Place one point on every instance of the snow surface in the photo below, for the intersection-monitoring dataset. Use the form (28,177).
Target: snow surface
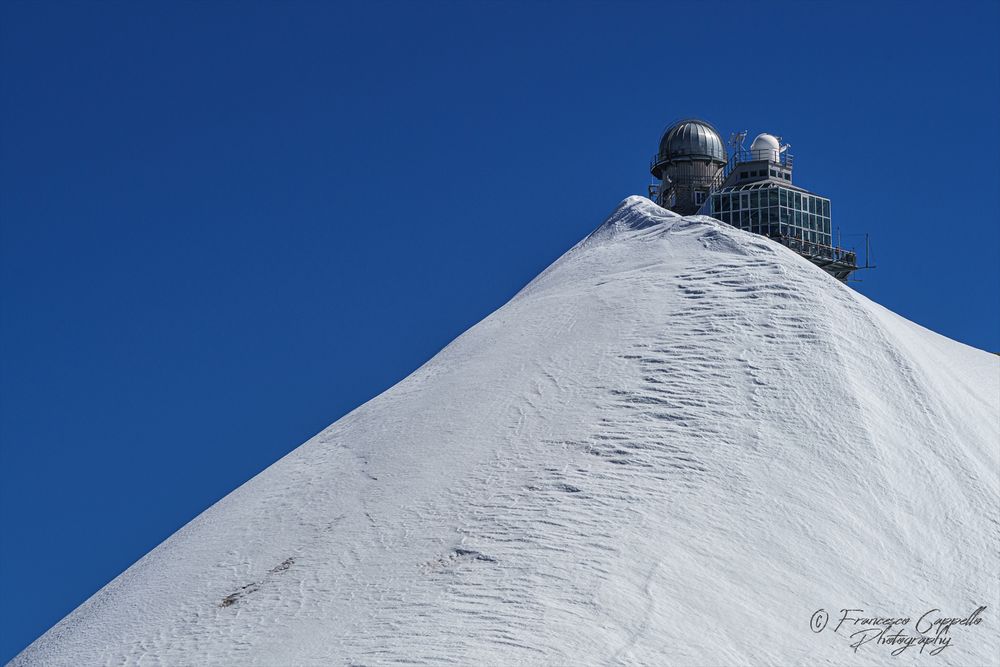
(672,447)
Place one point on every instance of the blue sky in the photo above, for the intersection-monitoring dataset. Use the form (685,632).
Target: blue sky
(225,225)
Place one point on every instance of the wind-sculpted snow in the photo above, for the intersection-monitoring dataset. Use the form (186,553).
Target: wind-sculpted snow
(681,444)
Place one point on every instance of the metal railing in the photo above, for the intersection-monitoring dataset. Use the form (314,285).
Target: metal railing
(783,158)
(662,158)
(819,250)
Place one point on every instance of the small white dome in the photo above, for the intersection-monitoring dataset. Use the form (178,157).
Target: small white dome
(765,147)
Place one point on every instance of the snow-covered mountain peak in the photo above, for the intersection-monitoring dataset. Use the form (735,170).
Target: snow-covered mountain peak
(638,218)
(674,446)
(635,213)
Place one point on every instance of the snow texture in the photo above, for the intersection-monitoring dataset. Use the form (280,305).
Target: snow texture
(672,447)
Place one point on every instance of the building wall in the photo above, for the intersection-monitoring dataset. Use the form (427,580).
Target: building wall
(687,178)
(776,211)
(759,170)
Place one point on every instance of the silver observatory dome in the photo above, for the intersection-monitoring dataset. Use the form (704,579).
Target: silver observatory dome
(689,139)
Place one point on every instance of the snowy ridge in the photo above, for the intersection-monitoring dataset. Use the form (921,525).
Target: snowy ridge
(672,447)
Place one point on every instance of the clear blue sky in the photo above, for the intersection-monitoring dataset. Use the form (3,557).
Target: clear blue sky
(224,225)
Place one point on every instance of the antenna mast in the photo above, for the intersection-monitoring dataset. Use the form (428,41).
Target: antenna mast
(736,140)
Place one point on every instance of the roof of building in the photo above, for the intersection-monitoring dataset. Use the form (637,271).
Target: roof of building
(692,138)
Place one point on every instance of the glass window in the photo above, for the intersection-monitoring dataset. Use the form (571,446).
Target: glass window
(783,196)
(774,214)
(743,174)
(772,197)
(798,201)
(744,200)
(784,214)
(826,208)
(753,200)
(724,200)
(798,218)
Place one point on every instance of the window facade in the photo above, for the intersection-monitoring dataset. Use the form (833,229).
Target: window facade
(775,211)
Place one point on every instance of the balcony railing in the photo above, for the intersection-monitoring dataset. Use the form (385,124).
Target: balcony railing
(662,158)
(783,158)
(819,250)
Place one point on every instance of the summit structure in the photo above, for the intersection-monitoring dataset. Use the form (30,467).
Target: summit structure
(750,189)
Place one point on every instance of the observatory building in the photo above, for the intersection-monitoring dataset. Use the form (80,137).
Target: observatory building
(751,189)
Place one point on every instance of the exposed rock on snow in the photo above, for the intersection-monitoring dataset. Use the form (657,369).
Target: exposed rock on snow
(674,446)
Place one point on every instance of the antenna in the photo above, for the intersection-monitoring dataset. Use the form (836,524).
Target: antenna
(736,140)
(868,265)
